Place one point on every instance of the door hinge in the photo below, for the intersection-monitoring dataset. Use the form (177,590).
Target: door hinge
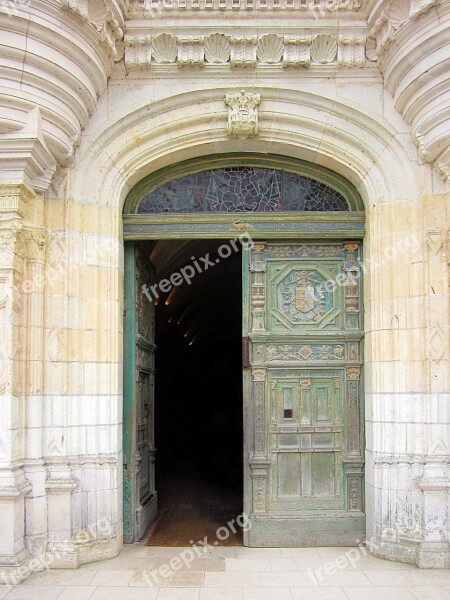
(245,353)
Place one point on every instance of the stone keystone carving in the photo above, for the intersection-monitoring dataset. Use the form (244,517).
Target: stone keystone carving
(243,113)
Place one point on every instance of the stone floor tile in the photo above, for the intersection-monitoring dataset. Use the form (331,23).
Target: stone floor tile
(166,552)
(318,593)
(34,592)
(258,552)
(222,551)
(3,590)
(221,594)
(124,593)
(378,593)
(121,563)
(236,579)
(333,552)
(248,564)
(198,564)
(372,563)
(430,592)
(321,565)
(61,577)
(148,578)
(135,550)
(343,579)
(272,594)
(428,576)
(286,579)
(112,578)
(283,564)
(387,578)
(299,552)
(76,592)
(178,594)
(187,579)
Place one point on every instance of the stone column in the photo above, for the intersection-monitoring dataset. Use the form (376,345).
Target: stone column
(407,381)
(13,484)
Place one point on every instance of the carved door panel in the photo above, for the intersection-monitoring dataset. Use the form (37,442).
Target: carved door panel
(140,498)
(303,409)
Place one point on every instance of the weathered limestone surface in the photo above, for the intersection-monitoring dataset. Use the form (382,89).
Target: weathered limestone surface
(84,118)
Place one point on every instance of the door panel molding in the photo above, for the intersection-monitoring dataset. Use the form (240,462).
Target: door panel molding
(305,464)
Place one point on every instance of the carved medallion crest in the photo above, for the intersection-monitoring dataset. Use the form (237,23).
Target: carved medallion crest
(242,113)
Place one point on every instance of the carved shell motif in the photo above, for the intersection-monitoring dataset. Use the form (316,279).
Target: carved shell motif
(164,48)
(217,49)
(398,12)
(97,12)
(270,49)
(323,49)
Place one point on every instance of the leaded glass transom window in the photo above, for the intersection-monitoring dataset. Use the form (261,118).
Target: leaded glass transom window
(242,189)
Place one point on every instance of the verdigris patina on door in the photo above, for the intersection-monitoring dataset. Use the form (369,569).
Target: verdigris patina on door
(303,413)
(139,497)
(302,327)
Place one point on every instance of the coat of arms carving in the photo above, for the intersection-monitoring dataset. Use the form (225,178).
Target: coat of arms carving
(243,113)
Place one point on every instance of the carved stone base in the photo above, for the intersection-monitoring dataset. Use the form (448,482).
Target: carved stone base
(425,555)
(13,567)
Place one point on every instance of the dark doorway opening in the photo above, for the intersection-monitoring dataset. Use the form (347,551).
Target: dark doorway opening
(198,392)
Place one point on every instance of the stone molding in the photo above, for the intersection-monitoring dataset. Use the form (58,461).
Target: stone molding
(24,155)
(294,121)
(411,41)
(104,16)
(63,60)
(144,50)
(165,8)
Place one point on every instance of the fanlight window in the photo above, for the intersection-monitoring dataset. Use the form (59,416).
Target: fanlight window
(242,189)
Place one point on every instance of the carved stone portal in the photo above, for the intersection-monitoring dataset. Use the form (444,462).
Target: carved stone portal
(243,113)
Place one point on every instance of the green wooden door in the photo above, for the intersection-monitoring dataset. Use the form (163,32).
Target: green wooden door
(302,410)
(140,498)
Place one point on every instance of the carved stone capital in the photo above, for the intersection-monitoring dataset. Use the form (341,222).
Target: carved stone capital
(259,374)
(353,373)
(24,155)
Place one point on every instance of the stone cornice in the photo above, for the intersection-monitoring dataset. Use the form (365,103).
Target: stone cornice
(24,156)
(207,9)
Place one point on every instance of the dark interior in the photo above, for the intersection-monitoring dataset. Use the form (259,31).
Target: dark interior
(198,399)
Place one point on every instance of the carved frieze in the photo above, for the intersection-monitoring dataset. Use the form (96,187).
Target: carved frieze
(305,352)
(217,49)
(191,51)
(243,51)
(351,51)
(297,51)
(238,51)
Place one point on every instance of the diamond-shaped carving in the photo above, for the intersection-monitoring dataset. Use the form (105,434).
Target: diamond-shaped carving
(305,352)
